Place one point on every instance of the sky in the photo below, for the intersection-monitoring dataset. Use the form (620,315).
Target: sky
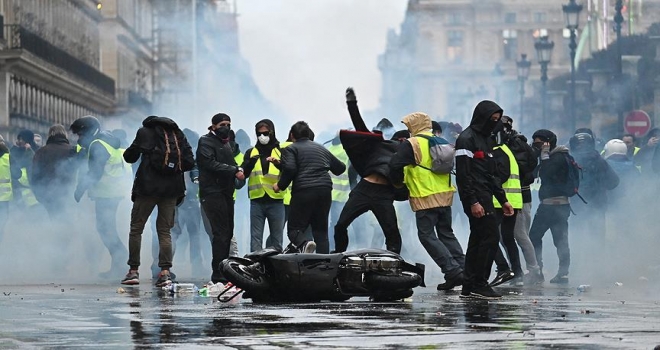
(304,53)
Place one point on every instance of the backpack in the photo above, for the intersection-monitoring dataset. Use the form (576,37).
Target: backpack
(572,185)
(167,156)
(442,155)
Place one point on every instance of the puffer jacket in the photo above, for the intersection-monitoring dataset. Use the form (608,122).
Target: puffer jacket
(475,165)
(307,163)
(149,181)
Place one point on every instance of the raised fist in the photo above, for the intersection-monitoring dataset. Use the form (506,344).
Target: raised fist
(350,95)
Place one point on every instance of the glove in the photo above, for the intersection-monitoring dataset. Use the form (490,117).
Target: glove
(196,181)
(350,95)
(77,195)
(545,151)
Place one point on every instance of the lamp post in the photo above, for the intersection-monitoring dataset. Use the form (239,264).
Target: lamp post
(572,13)
(523,73)
(543,54)
(618,19)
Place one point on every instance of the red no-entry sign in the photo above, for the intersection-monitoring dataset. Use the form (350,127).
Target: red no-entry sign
(637,123)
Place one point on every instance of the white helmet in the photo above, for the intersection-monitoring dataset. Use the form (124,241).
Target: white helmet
(613,147)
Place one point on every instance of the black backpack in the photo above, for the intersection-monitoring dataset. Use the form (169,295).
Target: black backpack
(571,187)
(167,157)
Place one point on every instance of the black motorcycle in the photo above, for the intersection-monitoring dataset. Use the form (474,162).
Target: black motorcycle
(294,276)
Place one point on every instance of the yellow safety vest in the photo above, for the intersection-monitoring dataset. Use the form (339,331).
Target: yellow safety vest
(512,186)
(423,183)
(5,179)
(239,160)
(341,187)
(260,184)
(113,174)
(26,192)
(287,192)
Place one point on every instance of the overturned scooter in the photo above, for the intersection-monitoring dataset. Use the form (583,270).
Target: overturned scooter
(297,275)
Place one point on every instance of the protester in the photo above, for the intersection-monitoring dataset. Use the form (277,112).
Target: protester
(21,155)
(5,185)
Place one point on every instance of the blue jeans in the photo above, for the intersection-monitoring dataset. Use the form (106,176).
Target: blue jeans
(273,211)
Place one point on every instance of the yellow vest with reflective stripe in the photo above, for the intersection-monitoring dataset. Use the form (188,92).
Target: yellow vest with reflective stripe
(113,174)
(239,160)
(259,183)
(423,183)
(341,187)
(5,179)
(26,192)
(287,192)
(512,185)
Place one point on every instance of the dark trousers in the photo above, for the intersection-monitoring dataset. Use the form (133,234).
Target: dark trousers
(436,235)
(555,218)
(310,208)
(106,225)
(219,209)
(380,200)
(481,250)
(188,217)
(142,208)
(507,225)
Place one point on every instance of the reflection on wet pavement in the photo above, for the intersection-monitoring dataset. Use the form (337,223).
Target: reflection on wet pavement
(143,317)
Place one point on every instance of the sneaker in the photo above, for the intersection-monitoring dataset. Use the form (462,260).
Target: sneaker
(485,293)
(308,247)
(465,294)
(164,279)
(502,277)
(560,279)
(533,278)
(449,284)
(131,278)
(517,281)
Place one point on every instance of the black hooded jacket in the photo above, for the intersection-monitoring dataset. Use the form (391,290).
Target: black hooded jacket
(53,169)
(148,180)
(475,166)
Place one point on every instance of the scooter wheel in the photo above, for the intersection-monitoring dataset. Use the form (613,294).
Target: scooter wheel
(248,280)
(405,280)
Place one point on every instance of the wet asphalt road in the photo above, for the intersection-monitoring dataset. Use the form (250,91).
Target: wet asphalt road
(68,316)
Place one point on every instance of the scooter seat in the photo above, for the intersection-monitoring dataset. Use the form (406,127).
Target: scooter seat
(260,254)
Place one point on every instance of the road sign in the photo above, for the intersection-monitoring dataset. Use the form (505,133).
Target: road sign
(637,123)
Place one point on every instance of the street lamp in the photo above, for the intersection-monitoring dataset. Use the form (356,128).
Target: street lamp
(618,19)
(572,13)
(523,73)
(543,54)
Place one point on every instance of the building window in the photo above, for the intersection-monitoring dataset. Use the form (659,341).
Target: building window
(540,17)
(454,46)
(455,18)
(510,17)
(540,33)
(510,41)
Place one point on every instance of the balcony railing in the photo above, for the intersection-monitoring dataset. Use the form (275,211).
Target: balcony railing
(17,37)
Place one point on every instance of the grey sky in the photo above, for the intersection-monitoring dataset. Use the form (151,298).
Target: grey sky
(304,53)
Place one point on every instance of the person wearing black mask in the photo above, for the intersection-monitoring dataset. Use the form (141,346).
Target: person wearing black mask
(218,172)
(261,168)
(477,184)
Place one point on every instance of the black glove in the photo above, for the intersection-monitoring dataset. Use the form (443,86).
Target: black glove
(350,95)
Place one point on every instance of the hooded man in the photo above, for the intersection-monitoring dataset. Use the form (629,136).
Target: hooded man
(431,197)
(370,155)
(554,210)
(154,187)
(477,184)
(104,172)
(218,173)
(261,167)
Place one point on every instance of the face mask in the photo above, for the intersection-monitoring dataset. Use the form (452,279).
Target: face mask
(263,139)
(223,133)
(490,126)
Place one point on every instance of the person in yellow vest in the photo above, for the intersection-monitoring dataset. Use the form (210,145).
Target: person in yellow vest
(261,167)
(54,172)
(21,160)
(629,140)
(431,196)
(5,185)
(105,171)
(341,186)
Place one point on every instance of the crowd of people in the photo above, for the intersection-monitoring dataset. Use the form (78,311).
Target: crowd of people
(320,193)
